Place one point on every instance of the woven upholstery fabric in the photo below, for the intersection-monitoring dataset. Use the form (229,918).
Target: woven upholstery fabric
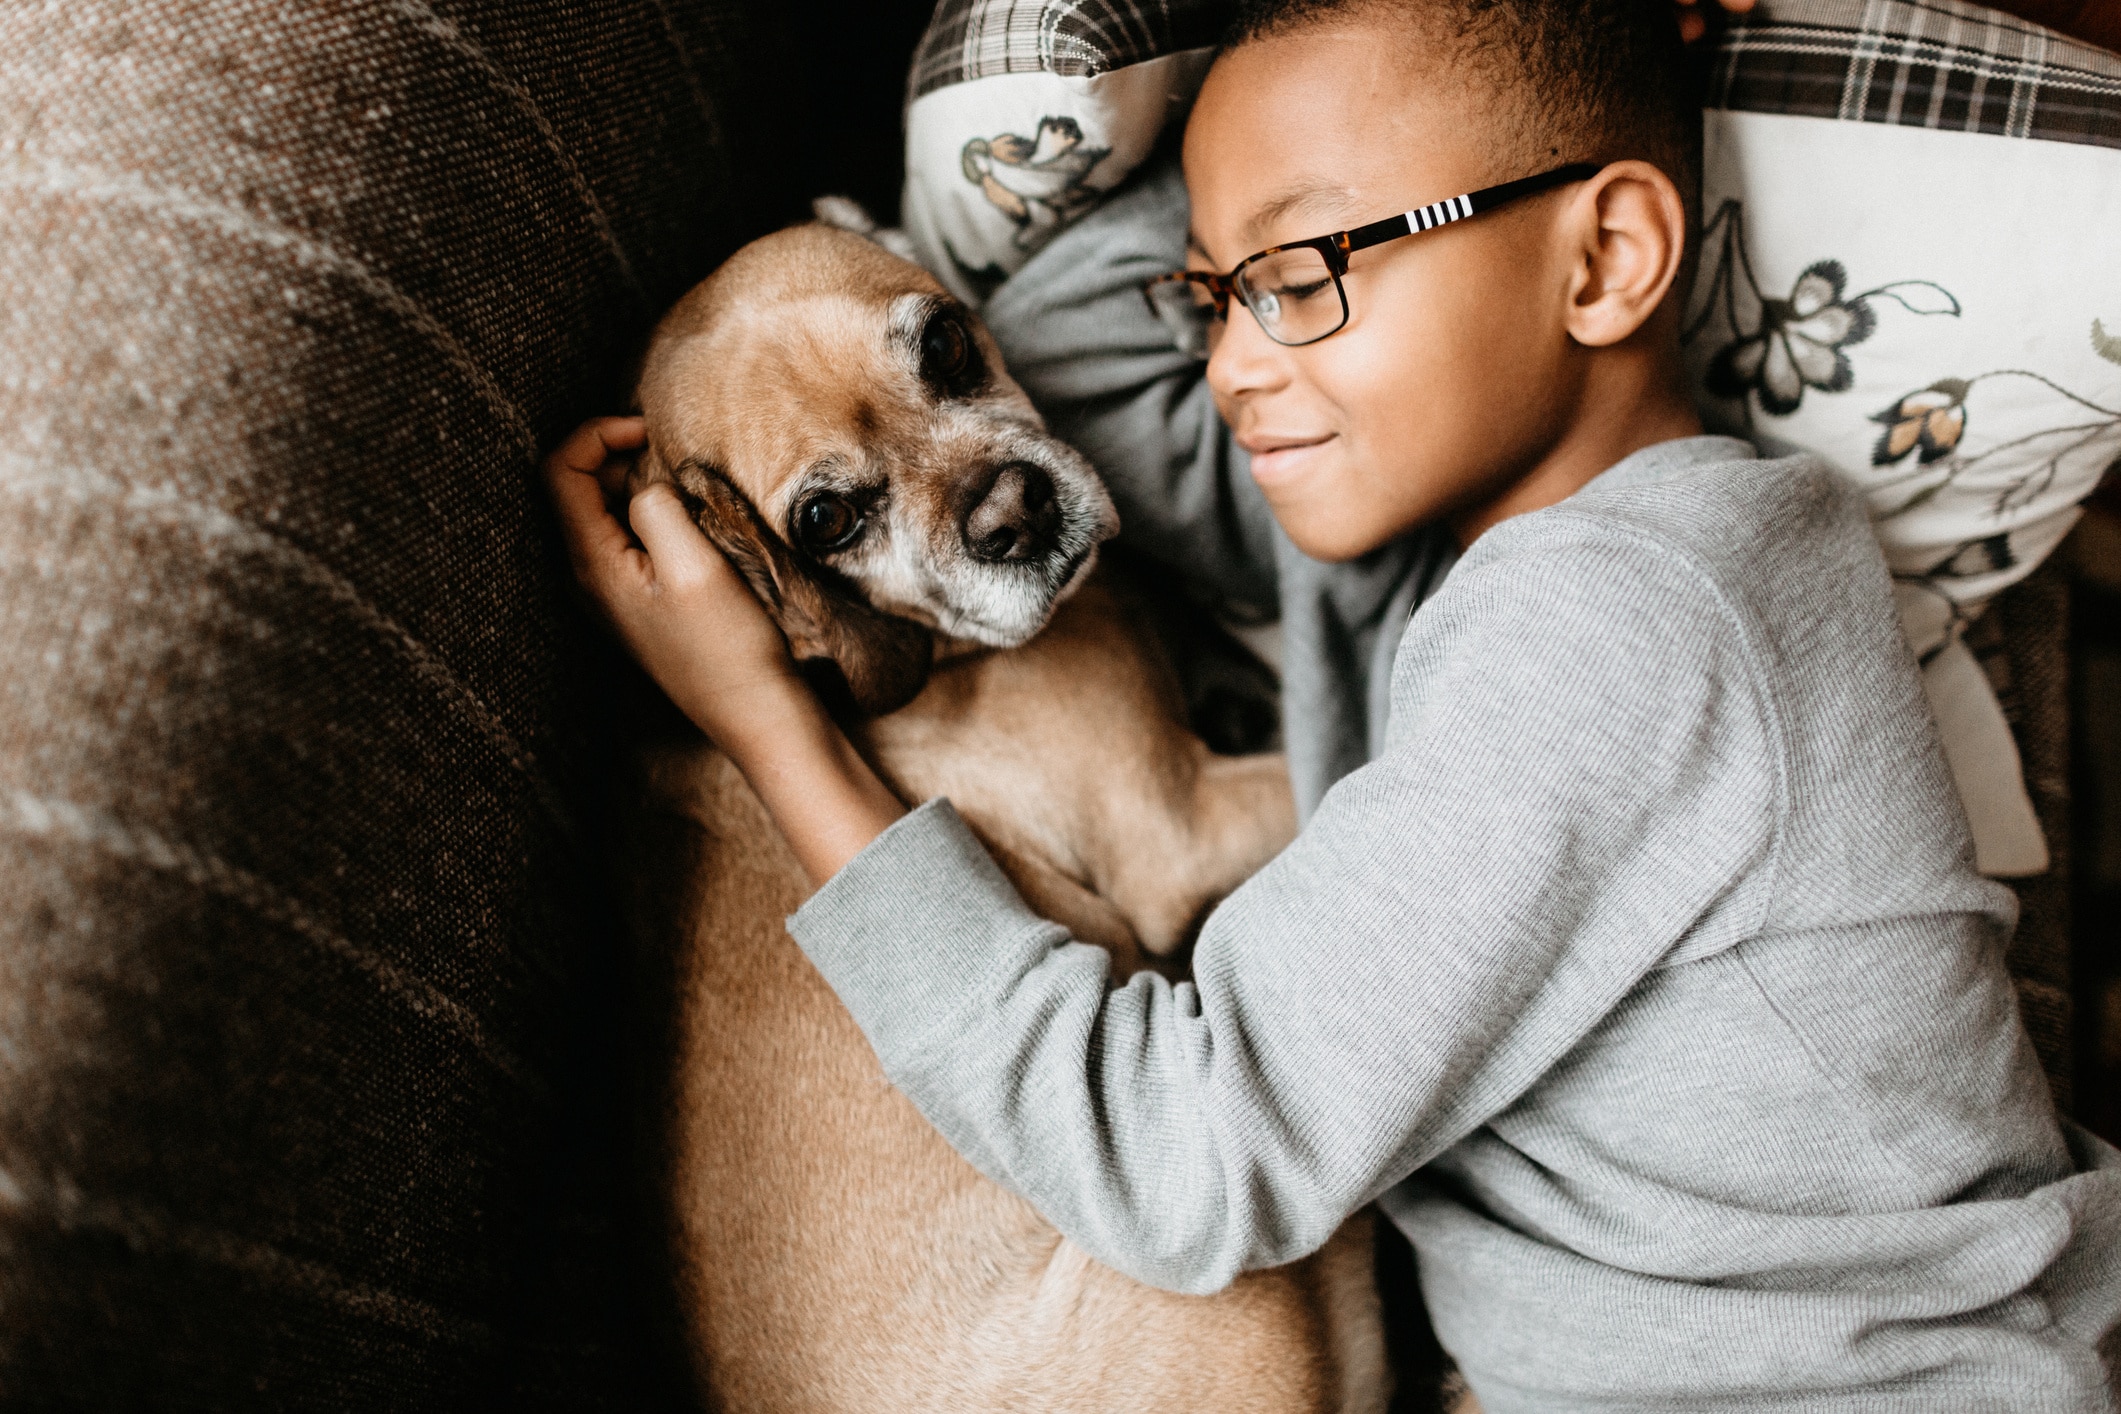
(2023,644)
(298,730)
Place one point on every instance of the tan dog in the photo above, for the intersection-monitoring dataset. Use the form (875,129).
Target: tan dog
(843,430)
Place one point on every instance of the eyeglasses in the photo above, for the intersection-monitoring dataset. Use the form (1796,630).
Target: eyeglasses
(1294,290)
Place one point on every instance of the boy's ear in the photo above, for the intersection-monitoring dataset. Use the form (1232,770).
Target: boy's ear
(1629,230)
(856,655)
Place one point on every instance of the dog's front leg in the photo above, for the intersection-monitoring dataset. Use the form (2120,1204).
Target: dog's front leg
(1172,857)
(1089,917)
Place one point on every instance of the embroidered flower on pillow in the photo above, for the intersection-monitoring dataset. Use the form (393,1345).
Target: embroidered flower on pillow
(1798,343)
(2012,474)
(1770,349)
(1932,419)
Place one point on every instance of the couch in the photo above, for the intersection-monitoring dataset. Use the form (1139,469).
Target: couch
(310,1031)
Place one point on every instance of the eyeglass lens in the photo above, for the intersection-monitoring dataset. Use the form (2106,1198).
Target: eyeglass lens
(1188,311)
(1292,293)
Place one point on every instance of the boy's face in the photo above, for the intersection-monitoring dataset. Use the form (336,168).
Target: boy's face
(1455,369)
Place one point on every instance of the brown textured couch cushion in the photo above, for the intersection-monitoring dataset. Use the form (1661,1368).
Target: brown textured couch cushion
(2023,644)
(296,720)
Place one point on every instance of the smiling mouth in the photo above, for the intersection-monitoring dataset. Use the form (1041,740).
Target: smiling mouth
(1267,446)
(1281,459)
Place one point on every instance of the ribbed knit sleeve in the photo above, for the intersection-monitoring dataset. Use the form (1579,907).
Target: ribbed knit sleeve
(1579,778)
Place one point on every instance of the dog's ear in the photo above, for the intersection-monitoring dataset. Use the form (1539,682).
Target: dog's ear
(846,214)
(855,654)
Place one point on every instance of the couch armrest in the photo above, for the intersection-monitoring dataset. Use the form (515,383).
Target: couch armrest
(298,725)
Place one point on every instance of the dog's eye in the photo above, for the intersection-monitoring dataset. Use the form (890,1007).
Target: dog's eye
(949,360)
(943,347)
(828,522)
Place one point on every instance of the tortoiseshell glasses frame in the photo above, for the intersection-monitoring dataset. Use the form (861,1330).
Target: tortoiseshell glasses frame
(1284,285)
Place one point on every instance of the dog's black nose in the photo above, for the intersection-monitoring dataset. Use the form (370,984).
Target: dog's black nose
(1016,518)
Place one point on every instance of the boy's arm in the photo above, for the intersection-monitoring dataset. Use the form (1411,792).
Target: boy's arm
(1584,776)
(1077,334)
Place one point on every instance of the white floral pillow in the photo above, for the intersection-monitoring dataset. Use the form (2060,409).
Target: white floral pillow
(1911,266)
(1021,114)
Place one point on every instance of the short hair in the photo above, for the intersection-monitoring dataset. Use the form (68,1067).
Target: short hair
(1575,80)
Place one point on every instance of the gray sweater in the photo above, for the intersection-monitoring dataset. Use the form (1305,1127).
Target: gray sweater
(1642,976)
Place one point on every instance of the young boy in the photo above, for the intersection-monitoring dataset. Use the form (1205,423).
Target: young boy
(1640,973)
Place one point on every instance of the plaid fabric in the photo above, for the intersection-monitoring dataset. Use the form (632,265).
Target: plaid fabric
(1919,63)
(1923,63)
(975,39)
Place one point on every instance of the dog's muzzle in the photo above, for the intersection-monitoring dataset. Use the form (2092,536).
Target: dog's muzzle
(1027,530)
(1016,517)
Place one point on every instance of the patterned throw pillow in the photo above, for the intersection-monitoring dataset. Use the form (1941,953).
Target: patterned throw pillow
(1911,213)
(1022,113)
(1911,209)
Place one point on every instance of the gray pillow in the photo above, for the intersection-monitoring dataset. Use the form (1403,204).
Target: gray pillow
(296,715)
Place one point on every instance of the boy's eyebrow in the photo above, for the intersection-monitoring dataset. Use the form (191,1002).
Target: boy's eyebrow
(1325,196)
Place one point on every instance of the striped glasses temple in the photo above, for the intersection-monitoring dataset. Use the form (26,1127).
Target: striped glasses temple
(1438,212)
(1458,208)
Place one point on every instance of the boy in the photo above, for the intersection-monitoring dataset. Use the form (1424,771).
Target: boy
(1641,973)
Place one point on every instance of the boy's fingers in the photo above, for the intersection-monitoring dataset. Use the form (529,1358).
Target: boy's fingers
(1693,21)
(681,555)
(596,542)
(595,539)
(594,441)
(611,477)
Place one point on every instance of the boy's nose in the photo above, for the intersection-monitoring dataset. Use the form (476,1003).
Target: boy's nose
(1243,360)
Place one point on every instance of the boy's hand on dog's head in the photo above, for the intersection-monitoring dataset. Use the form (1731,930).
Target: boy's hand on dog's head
(677,604)
(1693,24)
(693,622)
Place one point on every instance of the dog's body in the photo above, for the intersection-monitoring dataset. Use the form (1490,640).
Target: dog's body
(833,1252)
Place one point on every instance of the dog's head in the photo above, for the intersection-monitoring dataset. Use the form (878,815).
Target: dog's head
(842,429)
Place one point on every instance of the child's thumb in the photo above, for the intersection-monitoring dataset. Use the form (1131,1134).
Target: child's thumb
(682,557)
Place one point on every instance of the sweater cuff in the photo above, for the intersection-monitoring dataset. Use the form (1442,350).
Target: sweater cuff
(912,930)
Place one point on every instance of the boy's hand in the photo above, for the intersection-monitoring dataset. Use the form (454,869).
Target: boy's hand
(1693,25)
(677,604)
(701,633)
